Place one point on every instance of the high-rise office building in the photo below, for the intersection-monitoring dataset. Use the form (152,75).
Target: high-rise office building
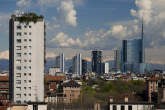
(84,67)
(60,62)
(26,58)
(133,57)
(105,67)
(97,61)
(117,59)
(77,65)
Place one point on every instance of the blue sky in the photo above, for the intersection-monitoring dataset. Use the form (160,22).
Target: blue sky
(88,24)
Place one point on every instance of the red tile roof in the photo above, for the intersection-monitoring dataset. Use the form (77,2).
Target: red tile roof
(4,78)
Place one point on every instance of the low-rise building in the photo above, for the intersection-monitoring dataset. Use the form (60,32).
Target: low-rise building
(71,91)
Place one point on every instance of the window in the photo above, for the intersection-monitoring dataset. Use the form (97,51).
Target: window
(30,47)
(25,47)
(30,53)
(30,33)
(30,26)
(30,40)
(25,88)
(18,95)
(18,81)
(25,26)
(18,75)
(18,27)
(19,34)
(30,89)
(35,107)
(18,54)
(18,88)
(18,61)
(25,33)
(129,107)
(30,74)
(29,81)
(29,94)
(25,53)
(24,74)
(25,60)
(24,94)
(30,67)
(30,61)
(25,40)
(114,107)
(18,40)
(18,67)
(24,67)
(122,107)
(25,81)
(18,47)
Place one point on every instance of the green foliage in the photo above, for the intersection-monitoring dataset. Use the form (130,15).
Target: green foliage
(28,17)
(116,88)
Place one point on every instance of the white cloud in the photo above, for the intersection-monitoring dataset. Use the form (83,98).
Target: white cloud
(24,3)
(63,40)
(68,12)
(4,54)
(119,31)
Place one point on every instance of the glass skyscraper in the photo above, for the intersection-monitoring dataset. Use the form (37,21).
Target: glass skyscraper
(97,61)
(132,55)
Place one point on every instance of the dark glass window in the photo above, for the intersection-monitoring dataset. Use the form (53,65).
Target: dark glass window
(129,107)
(122,107)
(114,107)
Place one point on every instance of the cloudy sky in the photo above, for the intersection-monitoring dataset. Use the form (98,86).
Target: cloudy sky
(81,25)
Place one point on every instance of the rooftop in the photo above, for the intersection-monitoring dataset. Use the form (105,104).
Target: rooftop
(27,17)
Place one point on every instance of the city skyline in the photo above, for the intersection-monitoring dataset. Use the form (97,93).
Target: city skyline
(69,28)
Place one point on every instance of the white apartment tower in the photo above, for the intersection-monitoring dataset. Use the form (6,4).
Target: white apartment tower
(77,64)
(60,62)
(26,58)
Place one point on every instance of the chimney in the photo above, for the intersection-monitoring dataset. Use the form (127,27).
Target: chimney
(110,99)
(97,106)
(125,99)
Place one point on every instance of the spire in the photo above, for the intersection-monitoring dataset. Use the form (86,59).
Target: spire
(142,30)
(142,35)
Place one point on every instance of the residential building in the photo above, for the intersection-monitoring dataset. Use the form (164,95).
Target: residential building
(97,61)
(26,58)
(84,67)
(71,91)
(77,64)
(152,89)
(60,62)
(126,105)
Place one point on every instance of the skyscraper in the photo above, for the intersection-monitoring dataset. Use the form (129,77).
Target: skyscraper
(97,61)
(26,58)
(77,64)
(84,67)
(133,57)
(117,59)
(60,62)
(105,67)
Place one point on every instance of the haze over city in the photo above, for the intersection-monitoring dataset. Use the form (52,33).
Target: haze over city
(82,25)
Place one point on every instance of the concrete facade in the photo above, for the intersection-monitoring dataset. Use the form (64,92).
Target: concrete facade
(26,63)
